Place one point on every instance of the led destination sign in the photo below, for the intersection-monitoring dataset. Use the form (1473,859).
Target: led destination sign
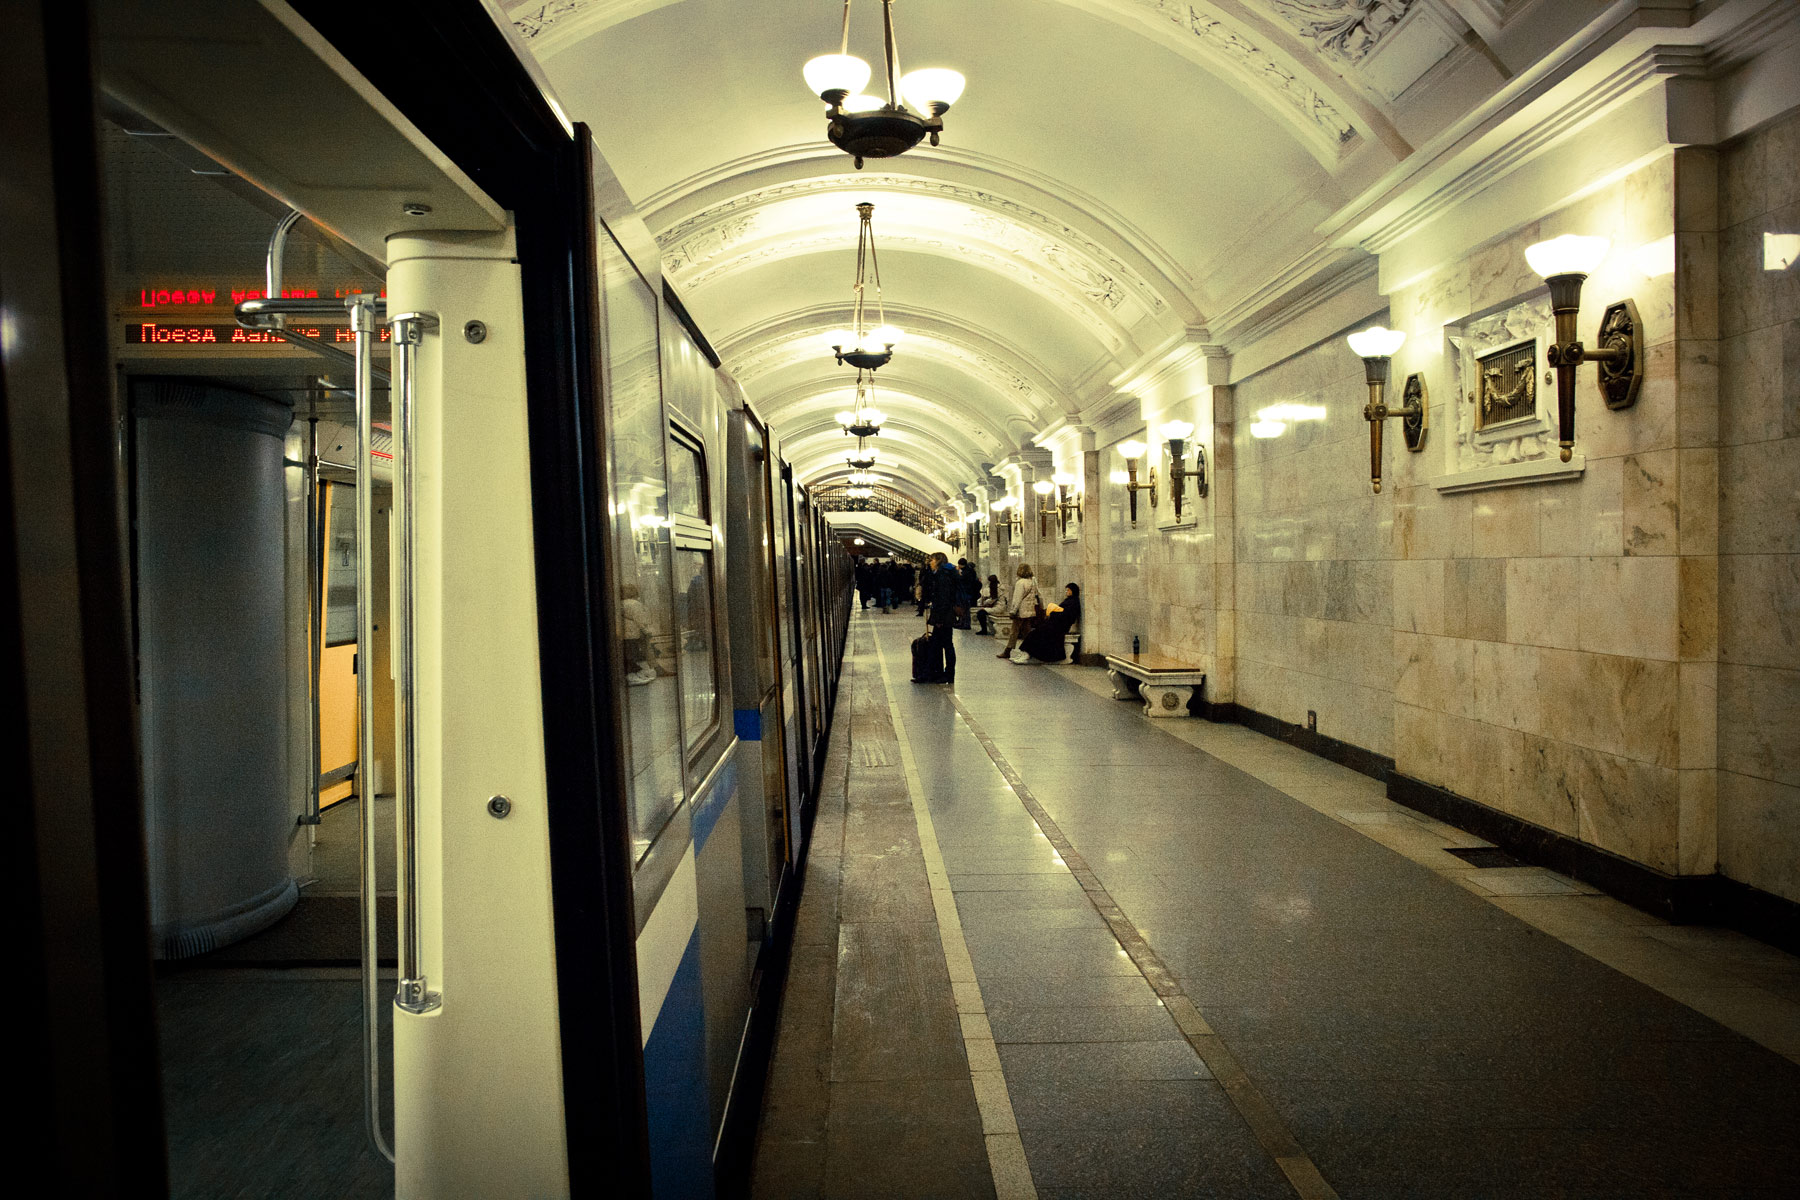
(155,333)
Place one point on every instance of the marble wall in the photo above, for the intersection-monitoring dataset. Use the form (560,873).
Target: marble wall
(1759,509)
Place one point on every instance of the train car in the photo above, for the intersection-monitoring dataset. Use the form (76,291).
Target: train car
(478,572)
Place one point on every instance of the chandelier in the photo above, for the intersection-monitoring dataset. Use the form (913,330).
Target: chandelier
(865,126)
(863,419)
(865,457)
(864,347)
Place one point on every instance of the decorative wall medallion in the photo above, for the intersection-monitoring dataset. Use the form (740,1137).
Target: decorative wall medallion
(1413,428)
(1506,385)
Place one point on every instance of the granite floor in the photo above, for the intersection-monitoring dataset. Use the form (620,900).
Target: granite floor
(1211,965)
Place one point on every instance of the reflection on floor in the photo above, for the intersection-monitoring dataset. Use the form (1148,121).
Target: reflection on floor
(261,1041)
(262,1085)
(1213,965)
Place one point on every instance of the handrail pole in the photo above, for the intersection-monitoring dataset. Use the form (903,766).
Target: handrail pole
(315,620)
(362,324)
(414,994)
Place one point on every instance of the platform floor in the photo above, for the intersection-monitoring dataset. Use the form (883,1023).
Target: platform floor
(1047,946)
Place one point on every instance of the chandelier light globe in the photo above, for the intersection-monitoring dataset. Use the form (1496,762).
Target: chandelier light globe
(846,418)
(838,339)
(887,336)
(1376,342)
(873,416)
(868,126)
(830,73)
(932,89)
(1570,254)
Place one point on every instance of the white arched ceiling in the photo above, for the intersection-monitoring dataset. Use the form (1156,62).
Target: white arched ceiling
(1117,170)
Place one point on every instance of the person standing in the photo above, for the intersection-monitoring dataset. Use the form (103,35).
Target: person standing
(865,580)
(922,589)
(1024,608)
(943,614)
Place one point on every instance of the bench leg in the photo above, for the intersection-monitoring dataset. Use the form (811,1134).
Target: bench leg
(1124,686)
(1166,700)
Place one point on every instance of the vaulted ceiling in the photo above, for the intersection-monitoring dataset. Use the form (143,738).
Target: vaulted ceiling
(1122,178)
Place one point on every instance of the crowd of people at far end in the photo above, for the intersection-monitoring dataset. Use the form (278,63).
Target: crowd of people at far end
(953,597)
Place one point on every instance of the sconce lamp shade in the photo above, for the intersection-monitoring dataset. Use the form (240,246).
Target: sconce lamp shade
(1376,342)
(1178,430)
(1132,449)
(1043,487)
(1063,479)
(931,89)
(1570,254)
(836,73)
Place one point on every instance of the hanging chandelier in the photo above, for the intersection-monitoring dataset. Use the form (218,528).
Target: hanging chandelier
(865,457)
(863,419)
(865,346)
(865,126)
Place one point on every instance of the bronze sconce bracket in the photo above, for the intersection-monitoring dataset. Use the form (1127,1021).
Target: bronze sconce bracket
(1619,356)
(1066,504)
(1179,474)
(1414,413)
(1133,487)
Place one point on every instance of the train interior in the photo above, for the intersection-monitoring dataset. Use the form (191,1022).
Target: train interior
(320,367)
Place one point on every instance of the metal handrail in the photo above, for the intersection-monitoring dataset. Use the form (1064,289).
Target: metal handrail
(315,603)
(363,325)
(414,994)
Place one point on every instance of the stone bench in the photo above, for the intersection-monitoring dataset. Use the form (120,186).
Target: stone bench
(1165,685)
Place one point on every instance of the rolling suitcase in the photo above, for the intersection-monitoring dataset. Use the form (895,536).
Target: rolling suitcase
(925,660)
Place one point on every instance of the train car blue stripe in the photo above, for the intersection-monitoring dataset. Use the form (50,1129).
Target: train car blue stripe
(749,724)
(675,1088)
(708,807)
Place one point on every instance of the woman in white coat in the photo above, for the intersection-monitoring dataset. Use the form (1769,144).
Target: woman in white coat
(1024,608)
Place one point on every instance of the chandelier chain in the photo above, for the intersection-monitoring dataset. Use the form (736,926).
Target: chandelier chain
(893,54)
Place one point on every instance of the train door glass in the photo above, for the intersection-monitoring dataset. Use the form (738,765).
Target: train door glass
(337,650)
(695,648)
(643,562)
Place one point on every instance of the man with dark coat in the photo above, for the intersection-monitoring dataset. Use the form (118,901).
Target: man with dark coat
(943,613)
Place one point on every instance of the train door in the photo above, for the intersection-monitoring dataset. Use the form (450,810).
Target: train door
(793,676)
(756,673)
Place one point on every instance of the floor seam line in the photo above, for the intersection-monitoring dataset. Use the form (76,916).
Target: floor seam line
(1294,1163)
(1000,1128)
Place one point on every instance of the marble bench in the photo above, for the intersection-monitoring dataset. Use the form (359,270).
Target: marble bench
(1163,684)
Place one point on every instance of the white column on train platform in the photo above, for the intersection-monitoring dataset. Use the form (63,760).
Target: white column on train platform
(478,1079)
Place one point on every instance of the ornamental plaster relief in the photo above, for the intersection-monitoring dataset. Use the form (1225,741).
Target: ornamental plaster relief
(1345,30)
(1077,259)
(1228,43)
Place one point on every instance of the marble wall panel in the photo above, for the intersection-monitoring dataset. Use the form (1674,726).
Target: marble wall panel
(1759,500)
(1506,689)
(1759,722)
(1611,703)
(1586,517)
(1759,833)
(1543,602)
(1435,672)
(1631,606)
(1650,502)
(1505,523)
(1759,610)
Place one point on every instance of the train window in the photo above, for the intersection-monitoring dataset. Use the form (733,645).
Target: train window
(687,478)
(643,560)
(695,645)
(340,564)
(699,675)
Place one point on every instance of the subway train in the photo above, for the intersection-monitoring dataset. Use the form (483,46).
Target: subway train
(448,534)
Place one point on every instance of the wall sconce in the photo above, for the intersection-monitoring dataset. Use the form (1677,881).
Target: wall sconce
(1376,346)
(953,534)
(1066,500)
(1132,451)
(1565,263)
(1045,509)
(1012,522)
(1178,432)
